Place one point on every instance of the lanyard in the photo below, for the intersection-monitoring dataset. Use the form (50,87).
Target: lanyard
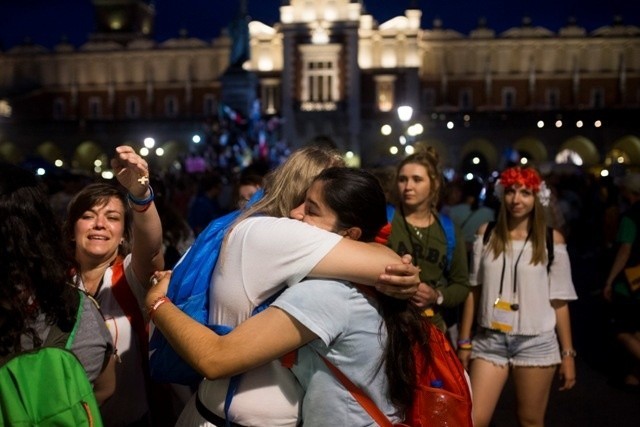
(514,306)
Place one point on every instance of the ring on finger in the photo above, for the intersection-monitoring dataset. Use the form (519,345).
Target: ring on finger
(153,281)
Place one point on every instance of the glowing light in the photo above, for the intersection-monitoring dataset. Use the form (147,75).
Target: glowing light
(540,124)
(558,123)
(196,139)
(59,163)
(409,149)
(598,123)
(159,151)
(349,154)
(620,159)
(405,112)
(393,150)
(467,117)
(475,160)
(579,124)
(385,130)
(149,142)
(107,174)
(450,125)
(604,172)
(144,151)
(97,163)
(40,171)
(468,176)
(402,139)
(524,161)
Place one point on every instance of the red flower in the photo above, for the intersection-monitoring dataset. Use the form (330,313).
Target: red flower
(516,176)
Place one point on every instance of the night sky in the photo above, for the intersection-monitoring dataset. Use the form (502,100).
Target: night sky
(45,22)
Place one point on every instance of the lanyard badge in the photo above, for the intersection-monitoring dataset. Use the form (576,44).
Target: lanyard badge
(503,315)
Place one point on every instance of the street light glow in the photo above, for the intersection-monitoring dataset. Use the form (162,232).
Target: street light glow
(385,130)
(393,150)
(196,139)
(404,113)
(144,151)
(540,124)
(149,142)
(159,151)
(409,149)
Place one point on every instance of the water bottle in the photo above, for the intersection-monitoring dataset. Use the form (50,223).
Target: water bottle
(439,399)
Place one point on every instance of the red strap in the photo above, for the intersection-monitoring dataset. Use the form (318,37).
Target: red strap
(129,304)
(365,401)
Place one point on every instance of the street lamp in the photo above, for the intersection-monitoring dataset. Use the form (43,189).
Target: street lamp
(408,131)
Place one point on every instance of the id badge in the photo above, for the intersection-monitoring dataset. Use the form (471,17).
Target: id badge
(503,316)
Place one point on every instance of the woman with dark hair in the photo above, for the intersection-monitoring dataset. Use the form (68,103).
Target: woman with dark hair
(338,320)
(35,292)
(115,241)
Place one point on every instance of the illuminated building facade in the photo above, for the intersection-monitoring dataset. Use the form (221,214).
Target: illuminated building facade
(329,68)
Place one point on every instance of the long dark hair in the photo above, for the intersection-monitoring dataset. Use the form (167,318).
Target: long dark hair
(357,199)
(33,268)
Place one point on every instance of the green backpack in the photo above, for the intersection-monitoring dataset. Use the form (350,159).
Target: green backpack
(48,386)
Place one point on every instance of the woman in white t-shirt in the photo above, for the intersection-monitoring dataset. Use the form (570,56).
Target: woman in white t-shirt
(520,300)
(342,321)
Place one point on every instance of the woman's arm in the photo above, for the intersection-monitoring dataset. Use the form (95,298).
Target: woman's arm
(258,340)
(146,253)
(466,324)
(567,370)
(369,264)
(105,385)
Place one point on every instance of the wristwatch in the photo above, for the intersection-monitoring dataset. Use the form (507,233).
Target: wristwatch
(440,298)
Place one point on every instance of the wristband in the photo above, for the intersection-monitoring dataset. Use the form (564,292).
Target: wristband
(157,304)
(464,341)
(568,353)
(142,202)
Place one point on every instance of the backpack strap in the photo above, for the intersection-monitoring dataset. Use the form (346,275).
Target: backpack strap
(449,233)
(359,395)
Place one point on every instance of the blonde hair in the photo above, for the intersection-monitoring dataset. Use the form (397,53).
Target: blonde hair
(428,157)
(500,237)
(286,186)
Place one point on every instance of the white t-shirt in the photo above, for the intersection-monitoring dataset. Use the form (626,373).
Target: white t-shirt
(261,256)
(129,402)
(351,336)
(534,288)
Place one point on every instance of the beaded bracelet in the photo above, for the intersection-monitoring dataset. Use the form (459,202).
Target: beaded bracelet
(157,304)
(568,353)
(142,202)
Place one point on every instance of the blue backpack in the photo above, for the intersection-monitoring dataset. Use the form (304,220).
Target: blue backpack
(189,291)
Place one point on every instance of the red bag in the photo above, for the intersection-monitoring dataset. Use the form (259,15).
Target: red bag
(442,396)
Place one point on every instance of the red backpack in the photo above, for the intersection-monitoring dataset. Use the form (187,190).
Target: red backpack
(442,396)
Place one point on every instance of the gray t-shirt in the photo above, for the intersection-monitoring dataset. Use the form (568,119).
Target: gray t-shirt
(92,344)
(350,336)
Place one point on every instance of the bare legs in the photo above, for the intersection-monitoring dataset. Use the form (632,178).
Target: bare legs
(533,385)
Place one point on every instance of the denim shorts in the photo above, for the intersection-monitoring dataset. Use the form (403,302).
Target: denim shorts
(516,350)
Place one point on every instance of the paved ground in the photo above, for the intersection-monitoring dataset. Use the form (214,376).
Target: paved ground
(593,401)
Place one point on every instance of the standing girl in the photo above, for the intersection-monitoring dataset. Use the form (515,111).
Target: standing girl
(519,297)
(417,229)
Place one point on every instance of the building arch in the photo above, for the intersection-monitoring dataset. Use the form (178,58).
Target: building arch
(533,146)
(9,152)
(86,154)
(584,147)
(629,145)
(485,148)
(49,151)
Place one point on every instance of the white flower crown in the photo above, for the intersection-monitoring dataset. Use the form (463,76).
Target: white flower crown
(544,194)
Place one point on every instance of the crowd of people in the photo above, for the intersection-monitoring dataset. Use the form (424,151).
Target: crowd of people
(488,263)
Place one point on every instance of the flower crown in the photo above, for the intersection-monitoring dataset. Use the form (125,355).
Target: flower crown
(529,178)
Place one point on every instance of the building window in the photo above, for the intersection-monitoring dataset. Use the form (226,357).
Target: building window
(429,99)
(270,95)
(59,108)
(385,92)
(597,97)
(508,98)
(210,106)
(320,79)
(95,107)
(170,106)
(553,98)
(465,99)
(133,107)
